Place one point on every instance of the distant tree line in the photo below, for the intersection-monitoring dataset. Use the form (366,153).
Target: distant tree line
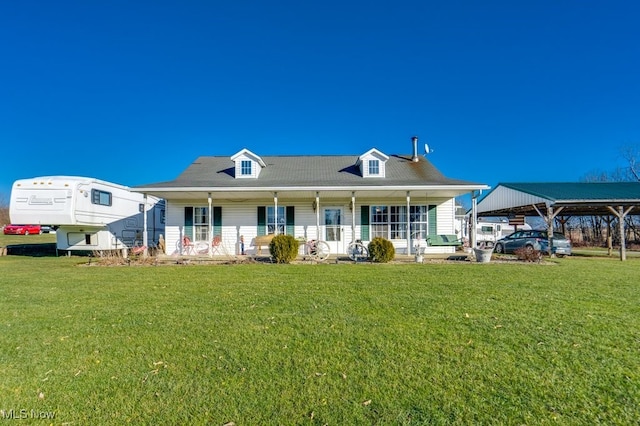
(4,210)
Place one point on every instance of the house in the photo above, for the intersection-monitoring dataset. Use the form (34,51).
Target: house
(337,199)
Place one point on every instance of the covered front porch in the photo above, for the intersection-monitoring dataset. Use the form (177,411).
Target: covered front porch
(233,223)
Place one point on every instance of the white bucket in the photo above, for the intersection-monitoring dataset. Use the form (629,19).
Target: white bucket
(483,255)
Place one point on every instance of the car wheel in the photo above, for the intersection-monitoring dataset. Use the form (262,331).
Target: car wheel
(499,249)
(529,248)
(26,232)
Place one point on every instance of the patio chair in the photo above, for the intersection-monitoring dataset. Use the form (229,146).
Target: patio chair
(216,245)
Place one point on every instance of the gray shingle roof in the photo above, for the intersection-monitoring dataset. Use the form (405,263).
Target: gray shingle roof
(305,171)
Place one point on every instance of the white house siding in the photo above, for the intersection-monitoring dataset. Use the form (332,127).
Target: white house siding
(240,219)
(445,214)
(255,167)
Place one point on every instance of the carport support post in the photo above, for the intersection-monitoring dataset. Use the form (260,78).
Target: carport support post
(550,230)
(621,214)
(548,218)
(623,246)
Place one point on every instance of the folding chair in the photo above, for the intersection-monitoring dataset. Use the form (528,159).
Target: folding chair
(187,245)
(216,245)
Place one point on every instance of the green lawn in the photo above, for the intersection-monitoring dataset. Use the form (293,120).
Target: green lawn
(461,343)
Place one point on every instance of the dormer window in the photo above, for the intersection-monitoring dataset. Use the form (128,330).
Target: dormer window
(374,167)
(372,164)
(245,168)
(247,164)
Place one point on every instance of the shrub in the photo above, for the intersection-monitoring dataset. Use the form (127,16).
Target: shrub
(528,254)
(381,250)
(283,248)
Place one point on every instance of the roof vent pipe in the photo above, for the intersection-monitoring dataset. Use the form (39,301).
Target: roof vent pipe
(415,149)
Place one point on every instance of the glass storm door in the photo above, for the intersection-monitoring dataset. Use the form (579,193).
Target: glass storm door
(333,229)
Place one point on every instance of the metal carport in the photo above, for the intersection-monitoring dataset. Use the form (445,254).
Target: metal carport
(548,200)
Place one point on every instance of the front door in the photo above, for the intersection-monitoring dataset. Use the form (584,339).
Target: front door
(333,229)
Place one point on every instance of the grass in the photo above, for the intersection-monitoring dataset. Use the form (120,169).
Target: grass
(321,344)
(6,240)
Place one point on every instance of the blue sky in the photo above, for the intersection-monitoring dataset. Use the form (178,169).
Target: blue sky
(133,91)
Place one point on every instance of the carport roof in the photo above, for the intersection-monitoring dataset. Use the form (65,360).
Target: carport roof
(576,198)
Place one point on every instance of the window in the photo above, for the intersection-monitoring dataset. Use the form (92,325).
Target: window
(418,215)
(245,168)
(398,222)
(201,223)
(379,222)
(390,222)
(101,198)
(374,167)
(271,220)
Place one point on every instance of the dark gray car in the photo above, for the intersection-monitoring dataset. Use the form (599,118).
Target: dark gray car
(534,240)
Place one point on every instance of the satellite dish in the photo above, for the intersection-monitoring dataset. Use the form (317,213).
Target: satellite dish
(427,150)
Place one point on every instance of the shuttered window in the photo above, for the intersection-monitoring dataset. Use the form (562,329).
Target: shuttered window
(267,220)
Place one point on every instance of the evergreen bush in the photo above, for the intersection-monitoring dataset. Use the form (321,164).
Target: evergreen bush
(283,248)
(381,250)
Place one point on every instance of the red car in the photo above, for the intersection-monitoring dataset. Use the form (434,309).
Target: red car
(22,229)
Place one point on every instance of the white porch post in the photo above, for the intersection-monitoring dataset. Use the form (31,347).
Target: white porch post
(318,216)
(210,218)
(145,236)
(474,219)
(408,224)
(275,213)
(353,216)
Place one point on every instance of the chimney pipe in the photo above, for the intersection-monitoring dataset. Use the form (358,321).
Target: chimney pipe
(415,149)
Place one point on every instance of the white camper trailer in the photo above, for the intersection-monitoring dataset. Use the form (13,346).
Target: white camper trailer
(488,232)
(89,214)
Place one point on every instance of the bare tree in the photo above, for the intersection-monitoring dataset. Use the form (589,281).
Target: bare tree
(631,155)
(4,210)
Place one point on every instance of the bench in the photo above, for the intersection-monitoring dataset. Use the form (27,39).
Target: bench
(444,240)
(262,240)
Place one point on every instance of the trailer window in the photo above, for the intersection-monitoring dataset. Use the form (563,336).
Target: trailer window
(102,198)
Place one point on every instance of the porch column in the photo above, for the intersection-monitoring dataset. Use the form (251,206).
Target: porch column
(210,218)
(318,216)
(353,216)
(408,223)
(474,219)
(145,236)
(275,213)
